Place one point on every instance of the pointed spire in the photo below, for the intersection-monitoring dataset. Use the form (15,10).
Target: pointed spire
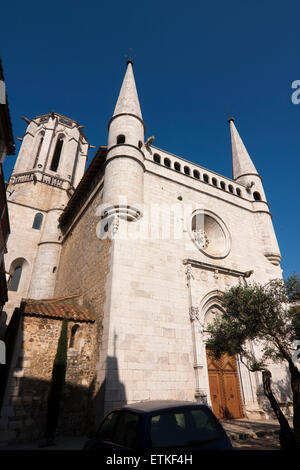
(128,101)
(241,161)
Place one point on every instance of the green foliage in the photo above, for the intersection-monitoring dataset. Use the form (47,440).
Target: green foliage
(270,316)
(294,314)
(256,313)
(292,285)
(58,380)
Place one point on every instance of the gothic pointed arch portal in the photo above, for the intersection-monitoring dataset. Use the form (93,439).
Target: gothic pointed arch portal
(223,380)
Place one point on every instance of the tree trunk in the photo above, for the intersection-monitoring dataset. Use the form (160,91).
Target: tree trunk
(295,383)
(286,435)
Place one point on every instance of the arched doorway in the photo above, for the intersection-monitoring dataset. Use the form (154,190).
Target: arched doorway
(223,375)
(224,387)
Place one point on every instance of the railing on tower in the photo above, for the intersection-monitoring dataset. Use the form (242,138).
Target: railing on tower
(37,175)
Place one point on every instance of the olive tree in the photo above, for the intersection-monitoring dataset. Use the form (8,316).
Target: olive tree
(268,315)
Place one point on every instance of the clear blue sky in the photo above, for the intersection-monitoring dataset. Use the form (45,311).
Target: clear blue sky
(196,63)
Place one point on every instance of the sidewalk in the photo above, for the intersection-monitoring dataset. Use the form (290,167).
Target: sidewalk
(240,429)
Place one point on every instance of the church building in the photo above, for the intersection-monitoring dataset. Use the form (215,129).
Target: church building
(134,252)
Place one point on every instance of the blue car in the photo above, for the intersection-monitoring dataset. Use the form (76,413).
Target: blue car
(160,426)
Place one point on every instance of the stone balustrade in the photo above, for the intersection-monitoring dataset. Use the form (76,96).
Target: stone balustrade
(46,178)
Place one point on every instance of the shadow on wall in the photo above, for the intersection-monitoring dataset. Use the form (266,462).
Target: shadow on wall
(112,392)
(283,393)
(81,408)
(30,409)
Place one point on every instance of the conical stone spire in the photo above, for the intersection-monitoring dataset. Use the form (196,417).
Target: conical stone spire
(128,101)
(241,162)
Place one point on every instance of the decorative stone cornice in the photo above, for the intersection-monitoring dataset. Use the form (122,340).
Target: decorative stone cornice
(124,145)
(37,175)
(217,269)
(127,114)
(125,156)
(274,258)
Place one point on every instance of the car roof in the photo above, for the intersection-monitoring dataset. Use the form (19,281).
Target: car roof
(158,405)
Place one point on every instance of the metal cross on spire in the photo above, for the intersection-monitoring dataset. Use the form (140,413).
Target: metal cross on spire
(229,113)
(130,56)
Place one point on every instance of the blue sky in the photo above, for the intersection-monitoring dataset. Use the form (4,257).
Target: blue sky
(196,63)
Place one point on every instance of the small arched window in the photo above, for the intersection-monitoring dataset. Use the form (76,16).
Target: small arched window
(187,170)
(37,221)
(214,182)
(257,196)
(223,186)
(121,139)
(74,330)
(230,188)
(177,166)
(156,158)
(167,162)
(38,150)
(238,192)
(57,154)
(140,144)
(205,178)
(196,174)
(15,278)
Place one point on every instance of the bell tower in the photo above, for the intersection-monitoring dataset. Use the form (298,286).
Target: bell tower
(53,146)
(49,166)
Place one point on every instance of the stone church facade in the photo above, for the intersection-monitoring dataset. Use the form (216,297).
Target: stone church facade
(135,253)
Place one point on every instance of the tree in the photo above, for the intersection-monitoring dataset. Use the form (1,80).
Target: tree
(57,383)
(267,315)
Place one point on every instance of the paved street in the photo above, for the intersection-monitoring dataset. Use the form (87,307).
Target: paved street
(244,434)
(260,443)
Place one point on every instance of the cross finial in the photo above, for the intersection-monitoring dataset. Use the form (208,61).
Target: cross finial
(129,57)
(230,114)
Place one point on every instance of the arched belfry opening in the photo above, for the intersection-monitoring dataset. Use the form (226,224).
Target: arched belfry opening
(223,377)
(40,143)
(57,153)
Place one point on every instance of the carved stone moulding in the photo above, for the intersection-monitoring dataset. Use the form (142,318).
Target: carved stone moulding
(209,233)
(194,313)
(126,212)
(274,258)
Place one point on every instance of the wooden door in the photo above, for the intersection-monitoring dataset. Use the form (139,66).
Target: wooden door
(216,393)
(224,387)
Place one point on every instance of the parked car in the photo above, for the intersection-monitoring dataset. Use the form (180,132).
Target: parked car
(157,425)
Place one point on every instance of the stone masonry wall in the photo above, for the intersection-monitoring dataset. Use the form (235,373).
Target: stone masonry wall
(84,261)
(84,267)
(24,412)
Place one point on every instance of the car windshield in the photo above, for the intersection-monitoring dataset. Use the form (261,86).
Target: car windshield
(186,428)
(121,428)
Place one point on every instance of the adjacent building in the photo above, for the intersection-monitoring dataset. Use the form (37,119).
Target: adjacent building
(7,147)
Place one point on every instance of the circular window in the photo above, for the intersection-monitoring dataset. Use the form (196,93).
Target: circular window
(209,233)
